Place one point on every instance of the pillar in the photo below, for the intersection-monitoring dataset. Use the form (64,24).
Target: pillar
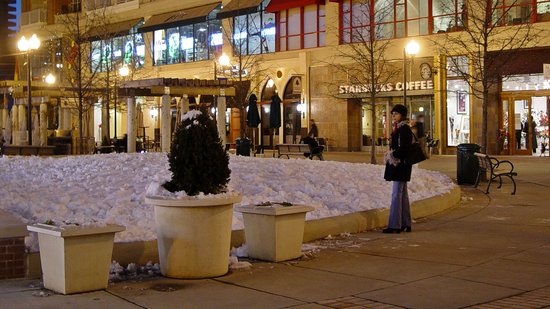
(184,105)
(22,124)
(131,123)
(105,134)
(43,124)
(165,123)
(221,119)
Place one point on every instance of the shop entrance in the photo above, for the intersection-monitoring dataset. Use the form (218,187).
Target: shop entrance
(524,125)
(383,125)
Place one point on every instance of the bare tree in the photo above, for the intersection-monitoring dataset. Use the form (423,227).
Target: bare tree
(363,61)
(488,38)
(79,72)
(248,70)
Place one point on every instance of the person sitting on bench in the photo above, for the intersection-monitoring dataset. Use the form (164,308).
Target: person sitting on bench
(316,149)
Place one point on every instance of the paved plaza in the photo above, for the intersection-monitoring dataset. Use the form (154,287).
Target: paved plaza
(490,251)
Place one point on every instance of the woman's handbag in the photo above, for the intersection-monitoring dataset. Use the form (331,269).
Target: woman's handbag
(415,154)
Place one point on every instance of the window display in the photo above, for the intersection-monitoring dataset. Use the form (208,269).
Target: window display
(458,113)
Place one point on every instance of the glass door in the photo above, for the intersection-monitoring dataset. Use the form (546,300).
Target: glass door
(520,126)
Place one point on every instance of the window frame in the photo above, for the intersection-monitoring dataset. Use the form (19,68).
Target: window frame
(320,19)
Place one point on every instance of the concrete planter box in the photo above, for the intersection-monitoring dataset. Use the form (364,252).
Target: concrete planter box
(274,233)
(75,259)
(193,235)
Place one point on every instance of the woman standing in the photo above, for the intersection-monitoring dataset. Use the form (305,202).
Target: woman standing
(398,172)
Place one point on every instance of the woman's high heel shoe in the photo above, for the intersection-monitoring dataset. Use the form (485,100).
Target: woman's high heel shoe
(391,231)
(406,229)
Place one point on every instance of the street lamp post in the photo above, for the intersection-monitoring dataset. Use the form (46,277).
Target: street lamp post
(28,46)
(410,49)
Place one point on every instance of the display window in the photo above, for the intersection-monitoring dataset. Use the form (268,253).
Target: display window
(458,112)
(159,47)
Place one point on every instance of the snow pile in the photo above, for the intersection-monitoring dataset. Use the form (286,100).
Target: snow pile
(110,188)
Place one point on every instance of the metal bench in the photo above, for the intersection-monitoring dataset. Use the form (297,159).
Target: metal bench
(496,169)
(297,150)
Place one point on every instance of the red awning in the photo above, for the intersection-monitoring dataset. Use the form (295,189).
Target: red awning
(280,5)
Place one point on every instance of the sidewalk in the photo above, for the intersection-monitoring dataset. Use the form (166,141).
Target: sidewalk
(491,251)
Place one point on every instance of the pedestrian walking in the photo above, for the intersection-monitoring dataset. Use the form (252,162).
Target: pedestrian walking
(313,131)
(398,172)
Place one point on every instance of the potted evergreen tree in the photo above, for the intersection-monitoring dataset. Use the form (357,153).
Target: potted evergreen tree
(193,225)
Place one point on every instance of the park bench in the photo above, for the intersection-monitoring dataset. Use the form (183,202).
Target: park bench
(297,150)
(495,169)
(28,150)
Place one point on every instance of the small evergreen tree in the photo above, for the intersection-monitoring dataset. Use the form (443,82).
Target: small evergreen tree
(197,159)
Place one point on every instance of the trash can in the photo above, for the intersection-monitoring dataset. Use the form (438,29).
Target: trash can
(467,165)
(242,146)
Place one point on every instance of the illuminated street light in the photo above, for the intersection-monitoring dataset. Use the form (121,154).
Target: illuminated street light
(28,46)
(411,49)
(50,79)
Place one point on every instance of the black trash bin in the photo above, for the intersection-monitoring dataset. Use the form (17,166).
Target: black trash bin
(242,146)
(467,165)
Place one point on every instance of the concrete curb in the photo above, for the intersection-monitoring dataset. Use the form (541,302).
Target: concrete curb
(141,252)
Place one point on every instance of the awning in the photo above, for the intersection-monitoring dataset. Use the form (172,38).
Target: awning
(178,18)
(111,30)
(280,5)
(239,7)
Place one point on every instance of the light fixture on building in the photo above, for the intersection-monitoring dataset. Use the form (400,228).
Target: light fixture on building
(267,108)
(270,83)
(153,112)
(421,109)
(50,79)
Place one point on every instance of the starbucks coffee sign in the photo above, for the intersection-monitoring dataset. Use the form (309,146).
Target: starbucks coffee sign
(364,88)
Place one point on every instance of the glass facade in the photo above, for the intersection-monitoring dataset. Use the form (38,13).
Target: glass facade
(128,50)
(254,33)
(188,43)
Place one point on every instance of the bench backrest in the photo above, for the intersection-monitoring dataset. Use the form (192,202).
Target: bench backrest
(484,161)
(293,148)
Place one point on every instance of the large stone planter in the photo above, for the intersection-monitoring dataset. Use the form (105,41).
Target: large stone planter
(193,235)
(274,233)
(75,259)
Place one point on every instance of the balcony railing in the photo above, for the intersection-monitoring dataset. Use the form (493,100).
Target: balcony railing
(100,4)
(33,17)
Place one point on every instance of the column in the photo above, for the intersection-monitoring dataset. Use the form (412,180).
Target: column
(43,138)
(184,104)
(22,125)
(131,129)
(105,125)
(165,124)
(221,119)
(13,122)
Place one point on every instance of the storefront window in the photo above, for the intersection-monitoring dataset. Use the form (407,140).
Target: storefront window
(96,56)
(302,27)
(187,43)
(512,12)
(458,112)
(399,18)
(173,40)
(160,47)
(254,33)
(524,82)
(449,15)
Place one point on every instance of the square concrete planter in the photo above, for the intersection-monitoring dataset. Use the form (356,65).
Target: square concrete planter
(75,259)
(274,233)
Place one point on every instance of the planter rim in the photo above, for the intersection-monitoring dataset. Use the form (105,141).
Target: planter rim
(68,231)
(275,210)
(204,202)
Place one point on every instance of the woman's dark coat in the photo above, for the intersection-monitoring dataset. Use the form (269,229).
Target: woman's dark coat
(401,141)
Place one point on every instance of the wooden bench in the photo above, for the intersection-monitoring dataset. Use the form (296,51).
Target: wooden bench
(297,150)
(496,169)
(28,150)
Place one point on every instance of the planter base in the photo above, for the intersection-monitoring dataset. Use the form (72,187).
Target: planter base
(274,233)
(194,236)
(75,260)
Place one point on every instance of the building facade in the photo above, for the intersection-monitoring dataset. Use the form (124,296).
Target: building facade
(314,55)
